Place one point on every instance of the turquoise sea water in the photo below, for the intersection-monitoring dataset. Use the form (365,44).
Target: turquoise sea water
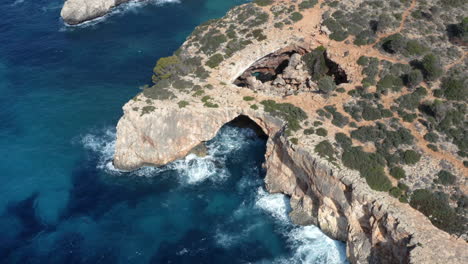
(61,93)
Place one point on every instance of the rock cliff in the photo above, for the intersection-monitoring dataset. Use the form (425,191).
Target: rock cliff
(78,11)
(226,69)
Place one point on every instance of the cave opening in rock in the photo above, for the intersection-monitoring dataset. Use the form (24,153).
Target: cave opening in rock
(268,68)
(244,121)
(291,69)
(334,70)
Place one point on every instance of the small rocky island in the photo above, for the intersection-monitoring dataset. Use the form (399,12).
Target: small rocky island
(78,11)
(363,103)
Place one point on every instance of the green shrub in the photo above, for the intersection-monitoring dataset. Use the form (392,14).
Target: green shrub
(292,114)
(147,109)
(413,47)
(363,61)
(343,140)
(355,158)
(389,82)
(415,77)
(368,133)
(317,123)
(279,25)
(436,207)
(215,60)
(308,131)
(432,68)
(198,93)
(182,84)
(321,132)
(431,137)
(307,4)
(158,93)
(395,43)
(211,105)
(445,178)
(206,98)
(165,67)
(248,98)
(403,187)
(341,90)
(433,147)
(211,41)
(411,101)
(254,107)
(339,120)
(370,113)
(325,150)
(411,157)
(326,84)
(454,89)
(316,63)
(395,192)
(365,37)
(183,104)
(403,199)
(263,2)
(294,141)
(258,34)
(397,173)
(409,117)
(296,16)
(376,178)
(338,32)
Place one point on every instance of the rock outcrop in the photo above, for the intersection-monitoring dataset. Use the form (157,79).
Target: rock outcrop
(376,227)
(189,103)
(78,11)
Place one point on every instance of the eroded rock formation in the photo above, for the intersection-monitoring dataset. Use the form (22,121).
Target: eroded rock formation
(195,95)
(78,11)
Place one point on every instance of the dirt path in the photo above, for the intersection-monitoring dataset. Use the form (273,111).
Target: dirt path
(405,15)
(458,61)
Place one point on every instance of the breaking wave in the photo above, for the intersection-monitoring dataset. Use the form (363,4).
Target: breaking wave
(190,170)
(308,243)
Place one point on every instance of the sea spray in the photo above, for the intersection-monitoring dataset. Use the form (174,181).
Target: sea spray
(307,244)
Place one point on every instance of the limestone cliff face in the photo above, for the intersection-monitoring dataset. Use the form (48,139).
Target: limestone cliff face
(78,11)
(376,227)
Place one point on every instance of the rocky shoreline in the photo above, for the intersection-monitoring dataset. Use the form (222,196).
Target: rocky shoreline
(208,83)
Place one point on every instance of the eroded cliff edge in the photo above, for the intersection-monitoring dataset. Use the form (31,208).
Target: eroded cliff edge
(258,68)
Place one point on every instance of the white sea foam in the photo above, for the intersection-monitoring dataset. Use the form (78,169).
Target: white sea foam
(193,169)
(308,243)
(131,6)
(190,170)
(103,144)
(17,2)
(277,205)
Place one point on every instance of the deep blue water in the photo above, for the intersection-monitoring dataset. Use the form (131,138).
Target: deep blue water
(61,93)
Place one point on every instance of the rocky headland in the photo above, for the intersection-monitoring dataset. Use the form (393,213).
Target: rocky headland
(365,117)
